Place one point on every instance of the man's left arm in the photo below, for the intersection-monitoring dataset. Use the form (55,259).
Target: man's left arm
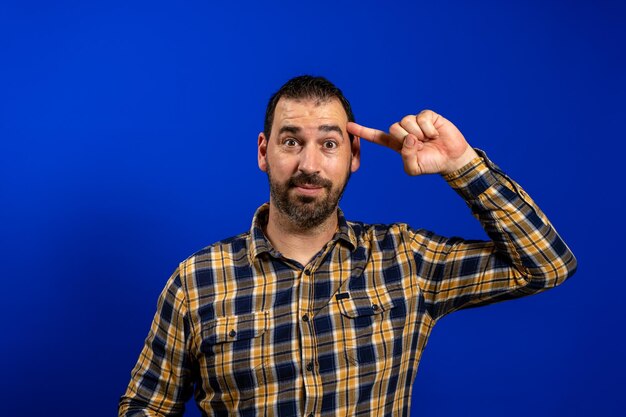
(525,254)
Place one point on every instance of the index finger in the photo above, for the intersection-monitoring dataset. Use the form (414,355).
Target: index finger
(374,135)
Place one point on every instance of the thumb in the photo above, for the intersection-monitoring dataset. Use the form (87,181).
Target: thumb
(409,141)
(410,147)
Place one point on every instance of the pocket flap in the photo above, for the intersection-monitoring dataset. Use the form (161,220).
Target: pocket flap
(361,303)
(234,328)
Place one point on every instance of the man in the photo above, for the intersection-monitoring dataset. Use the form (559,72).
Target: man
(308,314)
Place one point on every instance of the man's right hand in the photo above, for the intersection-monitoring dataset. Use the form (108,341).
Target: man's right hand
(428,143)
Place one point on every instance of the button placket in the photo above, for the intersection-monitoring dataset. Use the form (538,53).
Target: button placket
(306,304)
(308,352)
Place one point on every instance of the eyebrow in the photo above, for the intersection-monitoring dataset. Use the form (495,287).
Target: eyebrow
(289,129)
(331,128)
(322,128)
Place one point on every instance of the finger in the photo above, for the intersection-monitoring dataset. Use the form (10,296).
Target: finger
(426,120)
(409,155)
(409,123)
(374,135)
(398,132)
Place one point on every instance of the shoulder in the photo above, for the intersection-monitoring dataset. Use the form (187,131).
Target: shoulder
(219,254)
(378,232)
(393,234)
(378,229)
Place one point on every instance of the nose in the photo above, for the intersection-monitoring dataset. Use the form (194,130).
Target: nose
(310,160)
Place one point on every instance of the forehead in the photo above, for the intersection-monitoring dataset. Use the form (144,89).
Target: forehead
(309,112)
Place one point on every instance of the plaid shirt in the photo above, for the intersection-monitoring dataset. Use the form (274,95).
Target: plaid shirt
(254,333)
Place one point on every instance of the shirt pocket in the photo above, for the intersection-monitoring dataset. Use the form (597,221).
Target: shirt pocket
(372,322)
(234,352)
(361,303)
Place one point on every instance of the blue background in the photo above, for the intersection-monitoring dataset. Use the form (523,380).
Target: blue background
(128,141)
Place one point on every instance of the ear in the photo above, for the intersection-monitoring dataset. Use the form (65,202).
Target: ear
(262,152)
(356,154)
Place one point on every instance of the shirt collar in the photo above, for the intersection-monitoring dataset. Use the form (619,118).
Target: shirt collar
(259,243)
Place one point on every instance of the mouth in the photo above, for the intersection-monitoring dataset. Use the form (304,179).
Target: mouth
(308,189)
(309,185)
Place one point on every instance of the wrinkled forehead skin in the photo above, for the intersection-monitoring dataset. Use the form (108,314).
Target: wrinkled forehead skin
(310,116)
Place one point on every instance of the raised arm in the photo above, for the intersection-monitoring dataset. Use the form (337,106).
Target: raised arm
(525,255)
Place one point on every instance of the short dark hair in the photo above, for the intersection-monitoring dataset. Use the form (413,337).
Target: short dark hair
(306,87)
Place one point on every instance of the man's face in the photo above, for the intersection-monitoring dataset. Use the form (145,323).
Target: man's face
(308,159)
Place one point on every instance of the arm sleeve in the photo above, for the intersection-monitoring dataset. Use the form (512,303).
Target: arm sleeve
(525,254)
(162,380)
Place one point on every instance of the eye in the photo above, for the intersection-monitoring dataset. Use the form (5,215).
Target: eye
(290,142)
(330,144)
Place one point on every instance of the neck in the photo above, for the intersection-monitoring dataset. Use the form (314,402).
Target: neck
(294,242)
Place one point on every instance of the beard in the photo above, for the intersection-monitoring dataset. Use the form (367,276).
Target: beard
(306,212)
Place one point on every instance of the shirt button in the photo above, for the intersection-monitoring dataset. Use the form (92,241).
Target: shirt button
(309,366)
(310,415)
(307,272)
(232,333)
(305,317)
(375,307)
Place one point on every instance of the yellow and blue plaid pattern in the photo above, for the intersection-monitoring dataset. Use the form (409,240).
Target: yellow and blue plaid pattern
(251,333)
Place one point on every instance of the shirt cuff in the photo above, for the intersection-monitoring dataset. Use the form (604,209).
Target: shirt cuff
(474,178)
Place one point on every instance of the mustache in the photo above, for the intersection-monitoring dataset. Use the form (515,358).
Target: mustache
(315,180)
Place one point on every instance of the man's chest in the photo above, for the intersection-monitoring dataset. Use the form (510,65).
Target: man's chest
(269,327)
